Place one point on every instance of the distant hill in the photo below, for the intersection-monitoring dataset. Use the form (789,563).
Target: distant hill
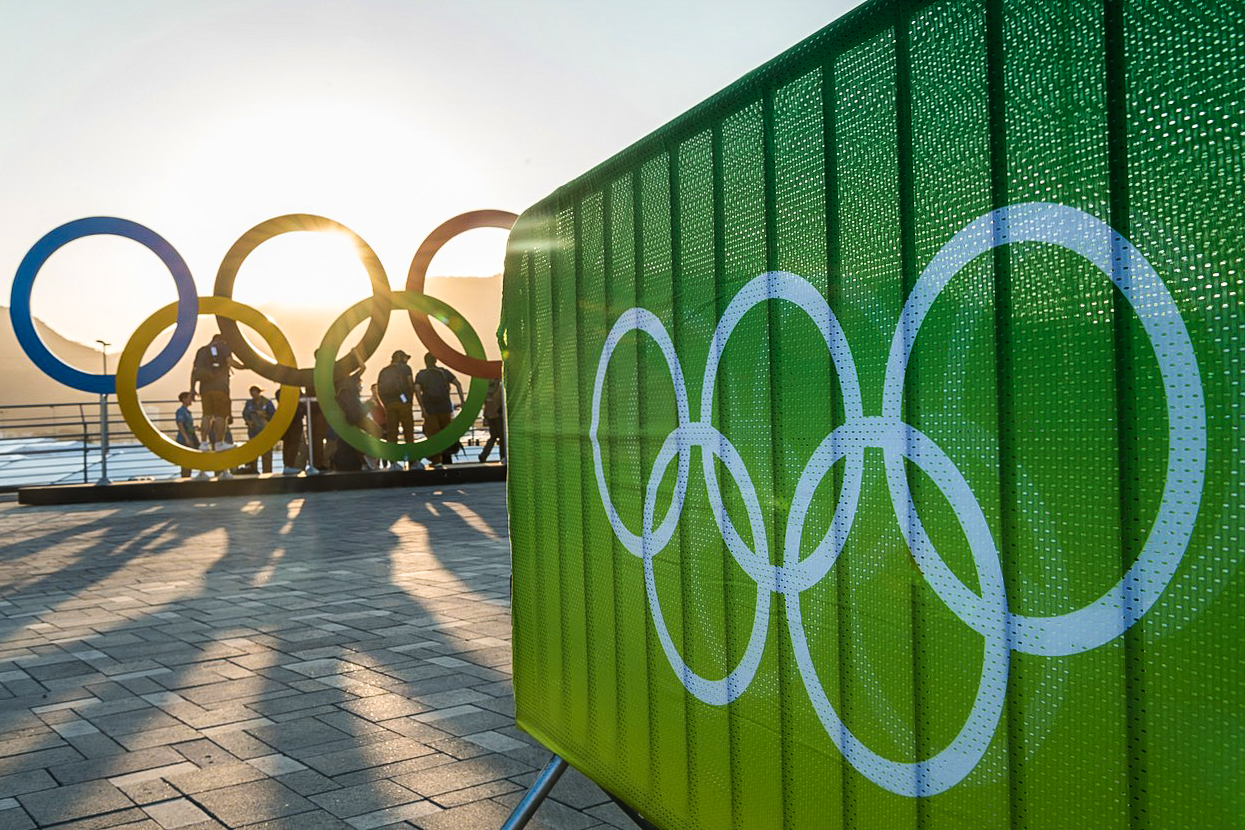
(21,382)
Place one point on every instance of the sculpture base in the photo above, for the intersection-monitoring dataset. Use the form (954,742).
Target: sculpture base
(257,485)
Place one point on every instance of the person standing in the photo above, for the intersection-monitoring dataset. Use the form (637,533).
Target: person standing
(186,435)
(256,413)
(296,448)
(432,388)
(212,366)
(210,373)
(292,439)
(348,394)
(396,387)
(495,418)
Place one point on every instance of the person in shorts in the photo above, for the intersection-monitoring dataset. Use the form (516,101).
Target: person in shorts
(396,387)
(212,366)
(432,388)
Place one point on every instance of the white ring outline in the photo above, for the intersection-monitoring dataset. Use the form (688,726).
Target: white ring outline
(783,285)
(1141,586)
(639,319)
(1081,630)
(952,763)
(723,691)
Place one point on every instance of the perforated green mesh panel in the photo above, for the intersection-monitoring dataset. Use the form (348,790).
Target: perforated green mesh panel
(875,432)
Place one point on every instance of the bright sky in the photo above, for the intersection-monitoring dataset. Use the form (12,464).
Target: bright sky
(201,119)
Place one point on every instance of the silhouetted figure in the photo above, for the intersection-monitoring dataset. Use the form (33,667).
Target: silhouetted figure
(432,387)
(396,387)
(494,416)
(213,364)
(186,435)
(348,395)
(292,440)
(256,413)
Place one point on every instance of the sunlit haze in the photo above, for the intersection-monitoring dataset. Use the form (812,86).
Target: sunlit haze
(200,120)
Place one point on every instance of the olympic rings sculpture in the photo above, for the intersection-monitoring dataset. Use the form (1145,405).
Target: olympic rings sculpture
(1002,630)
(132,374)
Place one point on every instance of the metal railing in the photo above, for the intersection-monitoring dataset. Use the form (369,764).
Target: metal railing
(89,441)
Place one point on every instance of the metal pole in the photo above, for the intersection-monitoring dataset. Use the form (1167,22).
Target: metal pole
(86,445)
(310,469)
(536,794)
(103,420)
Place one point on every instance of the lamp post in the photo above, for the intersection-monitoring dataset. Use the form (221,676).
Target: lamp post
(103,420)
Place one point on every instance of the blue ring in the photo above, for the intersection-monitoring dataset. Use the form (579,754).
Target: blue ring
(54,367)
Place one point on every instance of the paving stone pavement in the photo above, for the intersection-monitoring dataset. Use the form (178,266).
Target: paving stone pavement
(329,661)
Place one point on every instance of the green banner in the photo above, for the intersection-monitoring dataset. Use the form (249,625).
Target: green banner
(876,432)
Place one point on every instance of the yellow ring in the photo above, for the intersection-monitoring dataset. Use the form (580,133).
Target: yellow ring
(164,446)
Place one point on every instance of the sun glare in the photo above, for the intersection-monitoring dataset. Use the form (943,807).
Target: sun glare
(476,253)
(303,270)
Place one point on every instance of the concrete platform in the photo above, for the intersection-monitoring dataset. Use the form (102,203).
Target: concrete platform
(257,485)
(324,661)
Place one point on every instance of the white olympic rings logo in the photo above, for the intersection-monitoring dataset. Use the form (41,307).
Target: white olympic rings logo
(1003,631)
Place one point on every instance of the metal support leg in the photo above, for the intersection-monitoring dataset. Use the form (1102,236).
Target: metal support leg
(635,817)
(536,794)
(103,420)
(103,440)
(310,469)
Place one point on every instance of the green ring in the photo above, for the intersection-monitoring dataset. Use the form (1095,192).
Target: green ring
(368,444)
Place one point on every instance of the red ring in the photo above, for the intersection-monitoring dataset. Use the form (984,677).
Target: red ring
(415,278)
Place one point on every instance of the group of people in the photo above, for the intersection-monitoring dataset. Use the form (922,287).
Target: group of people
(389,412)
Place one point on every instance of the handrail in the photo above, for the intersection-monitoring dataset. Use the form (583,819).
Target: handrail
(58,442)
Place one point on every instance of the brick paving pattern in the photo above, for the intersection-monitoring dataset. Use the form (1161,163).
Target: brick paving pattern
(332,661)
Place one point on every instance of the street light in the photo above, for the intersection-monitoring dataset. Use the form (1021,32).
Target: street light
(103,420)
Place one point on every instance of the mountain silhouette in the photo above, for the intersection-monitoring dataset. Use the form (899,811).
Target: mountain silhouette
(22,382)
